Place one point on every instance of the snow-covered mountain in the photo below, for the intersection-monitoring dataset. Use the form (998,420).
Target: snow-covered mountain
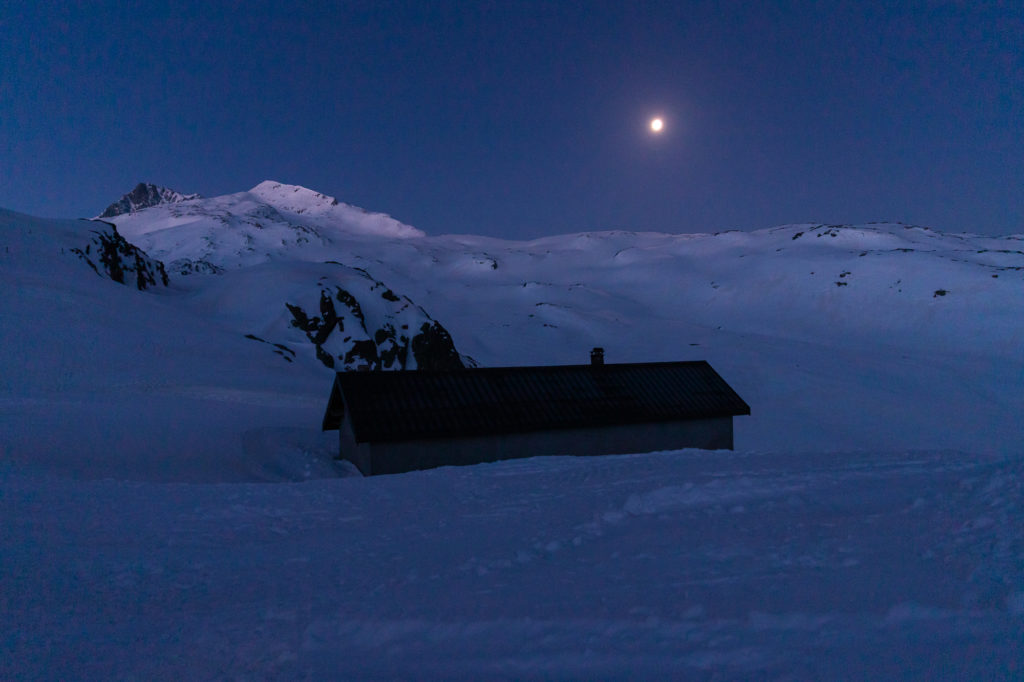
(314,282)
(144,195)
(292,233)
(270,221)
(868,525)
(889,283)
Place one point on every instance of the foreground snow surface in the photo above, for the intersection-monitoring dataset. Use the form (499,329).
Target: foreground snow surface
(169,508)
(689,564)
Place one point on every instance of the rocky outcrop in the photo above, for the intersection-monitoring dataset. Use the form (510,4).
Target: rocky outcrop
(434,349)
(187,266)
(111,255)
(143,196)
(385,332)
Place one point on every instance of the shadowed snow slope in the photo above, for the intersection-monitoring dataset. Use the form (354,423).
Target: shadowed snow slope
(170,508)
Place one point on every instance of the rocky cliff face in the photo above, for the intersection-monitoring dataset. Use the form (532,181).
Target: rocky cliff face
(111,255)
(144,196)
(385,331)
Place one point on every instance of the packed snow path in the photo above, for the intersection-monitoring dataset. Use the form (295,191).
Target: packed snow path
(690,564)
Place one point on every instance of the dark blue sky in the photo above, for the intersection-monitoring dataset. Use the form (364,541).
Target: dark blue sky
(521,119)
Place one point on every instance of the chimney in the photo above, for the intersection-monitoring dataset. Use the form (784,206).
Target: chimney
(597,357)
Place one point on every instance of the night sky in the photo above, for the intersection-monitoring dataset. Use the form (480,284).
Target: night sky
(523,119)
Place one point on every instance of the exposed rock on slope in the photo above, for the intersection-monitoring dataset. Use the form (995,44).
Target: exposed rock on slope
(111,255)
(434,350)
(187,266)
(384,332)
(143,196)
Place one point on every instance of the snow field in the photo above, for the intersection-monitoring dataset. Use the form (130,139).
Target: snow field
(686,564)
(170,508)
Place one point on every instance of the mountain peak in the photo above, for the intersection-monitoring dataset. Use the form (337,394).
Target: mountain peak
(314,205)
(293,198)
(143,196)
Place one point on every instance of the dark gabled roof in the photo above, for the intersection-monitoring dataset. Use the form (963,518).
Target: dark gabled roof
(396,406)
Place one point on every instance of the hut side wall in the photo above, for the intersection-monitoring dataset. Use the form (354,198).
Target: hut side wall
(393,458)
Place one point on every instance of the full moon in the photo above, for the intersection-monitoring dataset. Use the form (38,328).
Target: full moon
(656,125)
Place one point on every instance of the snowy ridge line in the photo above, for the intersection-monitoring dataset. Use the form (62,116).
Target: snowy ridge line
(801,281)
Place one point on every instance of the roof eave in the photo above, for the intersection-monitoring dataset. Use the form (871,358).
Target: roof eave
(443,435)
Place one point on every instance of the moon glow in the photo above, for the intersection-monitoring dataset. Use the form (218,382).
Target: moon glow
(656,125)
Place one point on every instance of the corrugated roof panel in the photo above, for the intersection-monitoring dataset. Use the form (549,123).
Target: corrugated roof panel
(387,406)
